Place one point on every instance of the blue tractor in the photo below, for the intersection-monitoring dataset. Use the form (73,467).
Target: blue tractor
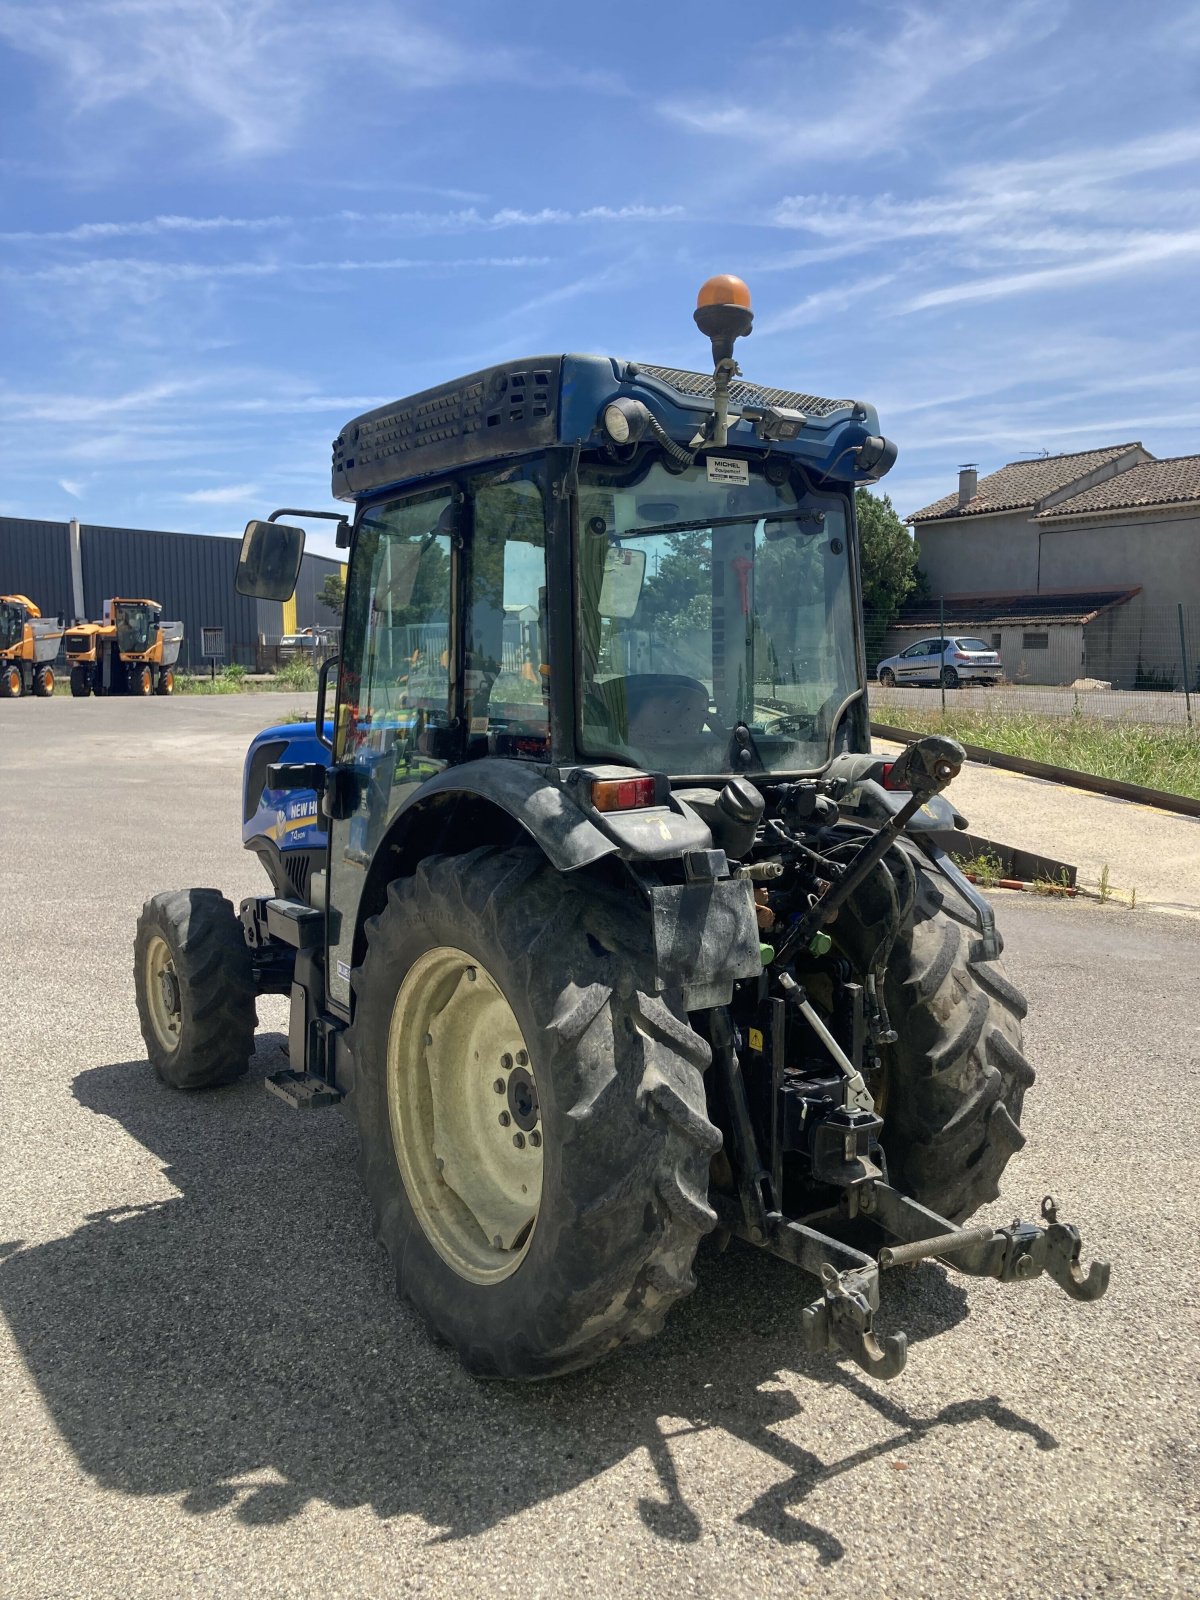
(589,896)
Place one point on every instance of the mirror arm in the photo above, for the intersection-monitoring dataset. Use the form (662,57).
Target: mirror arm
(322,687)
(294,511)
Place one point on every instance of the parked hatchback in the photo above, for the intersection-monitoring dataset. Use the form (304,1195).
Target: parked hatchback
(952,660)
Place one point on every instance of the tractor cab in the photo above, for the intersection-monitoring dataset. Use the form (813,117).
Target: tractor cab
(135,622)
(14,611)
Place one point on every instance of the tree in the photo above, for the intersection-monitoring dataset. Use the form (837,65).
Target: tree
(332,593)
(889,565)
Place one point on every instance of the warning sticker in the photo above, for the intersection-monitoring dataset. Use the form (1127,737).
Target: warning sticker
(727,469)
(343,970)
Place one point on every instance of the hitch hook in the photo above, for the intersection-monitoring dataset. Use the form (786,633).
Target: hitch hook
(841,1320)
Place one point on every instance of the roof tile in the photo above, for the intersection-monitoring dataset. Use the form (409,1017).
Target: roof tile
(1151,483)
(997,610)
(1023,483)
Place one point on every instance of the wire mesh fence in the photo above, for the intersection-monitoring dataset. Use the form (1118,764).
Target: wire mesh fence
(1126,663)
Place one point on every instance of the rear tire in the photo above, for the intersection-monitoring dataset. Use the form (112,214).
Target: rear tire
(81,682)
(625,1140)
(950,677)
(955,1080)
(166,682)
(195,988)
(43,682)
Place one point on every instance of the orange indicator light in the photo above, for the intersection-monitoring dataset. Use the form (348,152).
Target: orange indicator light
(723,290)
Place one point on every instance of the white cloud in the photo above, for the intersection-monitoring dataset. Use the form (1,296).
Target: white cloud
(127,272)
(253,70)
(827,302)
(73,486)
(466,220)
(879,92)
(229,495)
(1136,258)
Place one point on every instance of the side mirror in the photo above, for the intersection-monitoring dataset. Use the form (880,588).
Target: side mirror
(621,586)
(269,562)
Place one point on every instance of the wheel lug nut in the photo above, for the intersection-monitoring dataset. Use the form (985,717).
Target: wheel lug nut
(535,1138)
(522,1058)
(519,1140)
(499,1086)
(506,1062)
(505,1119)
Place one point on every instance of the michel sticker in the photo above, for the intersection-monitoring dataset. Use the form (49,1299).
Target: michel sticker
(727,469)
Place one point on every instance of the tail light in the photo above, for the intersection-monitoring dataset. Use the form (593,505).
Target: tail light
(622,794)
(887,778)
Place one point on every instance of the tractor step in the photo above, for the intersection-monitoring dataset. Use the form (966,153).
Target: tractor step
(303,1091)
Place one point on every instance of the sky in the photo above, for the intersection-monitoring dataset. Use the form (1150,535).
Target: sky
(229,226)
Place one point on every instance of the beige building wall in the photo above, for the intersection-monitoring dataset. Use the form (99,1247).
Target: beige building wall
(1158,551)
(994,554)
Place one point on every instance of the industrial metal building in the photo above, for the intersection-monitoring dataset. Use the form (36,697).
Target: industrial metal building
(72,568)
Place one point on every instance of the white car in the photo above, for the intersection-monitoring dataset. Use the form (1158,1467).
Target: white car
(953,660)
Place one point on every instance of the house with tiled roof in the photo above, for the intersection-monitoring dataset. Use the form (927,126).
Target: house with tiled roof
(1078,562)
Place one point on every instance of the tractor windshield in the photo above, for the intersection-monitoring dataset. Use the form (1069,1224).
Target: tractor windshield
(135,626)
(716,618)
(12,626)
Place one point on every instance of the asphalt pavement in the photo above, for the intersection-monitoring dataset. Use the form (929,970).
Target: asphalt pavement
(207,1387)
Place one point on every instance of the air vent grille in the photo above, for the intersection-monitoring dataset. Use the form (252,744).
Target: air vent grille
(741,393)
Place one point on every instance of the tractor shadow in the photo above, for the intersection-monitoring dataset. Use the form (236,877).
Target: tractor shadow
(241,1345)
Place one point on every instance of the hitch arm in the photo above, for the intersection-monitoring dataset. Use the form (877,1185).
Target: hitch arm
(1016,1254)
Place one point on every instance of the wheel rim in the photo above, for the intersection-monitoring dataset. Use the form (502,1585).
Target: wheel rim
(14,681)
(48,681)
(161,988)
(144,681)
(464,1113)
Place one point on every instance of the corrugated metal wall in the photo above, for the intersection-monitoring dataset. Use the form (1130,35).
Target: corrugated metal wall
(35,561)
(191,575)
(309,612)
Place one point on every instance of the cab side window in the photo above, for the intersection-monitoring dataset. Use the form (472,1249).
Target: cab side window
(394,690)
(506,687)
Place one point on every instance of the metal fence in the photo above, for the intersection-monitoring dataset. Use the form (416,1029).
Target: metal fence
(1129,663)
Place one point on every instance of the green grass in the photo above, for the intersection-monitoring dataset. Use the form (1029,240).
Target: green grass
(1155,757)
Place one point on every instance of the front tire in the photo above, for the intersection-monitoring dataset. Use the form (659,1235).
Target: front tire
(81,682)
(43,682)
(140,680)
(195,989)
(166,681)
(12,683)
(600,1245)
(887,678)
(955,1079)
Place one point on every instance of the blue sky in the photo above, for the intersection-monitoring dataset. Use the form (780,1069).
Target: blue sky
(227,226)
